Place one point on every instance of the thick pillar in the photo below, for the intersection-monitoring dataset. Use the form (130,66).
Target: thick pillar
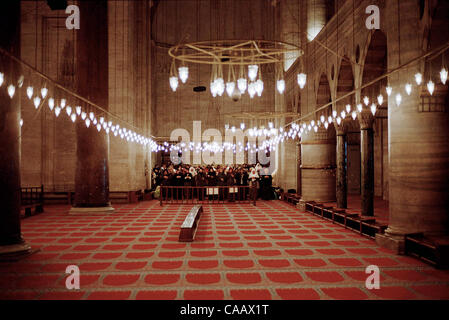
(341,184)
(318,166)
(366,120)
(11,241)
(92,169)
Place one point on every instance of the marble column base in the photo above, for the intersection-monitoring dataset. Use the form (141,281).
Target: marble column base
(392,240)
(301,205)
(15,249)
(89,211)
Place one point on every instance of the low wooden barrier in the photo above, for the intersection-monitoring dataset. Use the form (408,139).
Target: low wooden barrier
(366,226)
(291,197)
(433,250)
(207,194)
(190,224)
(32,197)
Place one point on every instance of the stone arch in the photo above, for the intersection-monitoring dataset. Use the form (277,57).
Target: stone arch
(345,84)
(324,96)
(375,64)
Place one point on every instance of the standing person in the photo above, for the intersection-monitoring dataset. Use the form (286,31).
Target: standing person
(178,179)
(253,179)
(200,182)
(221,182)
(230,182)
(188,183)
(211,182)
(266,181)
(166,182)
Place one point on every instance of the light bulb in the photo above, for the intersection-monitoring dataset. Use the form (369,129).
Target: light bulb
(359,107)
(30,92)
(443,75)
(315,128)
(63,102)
(418,78)
(312,123)
(329,119)
(242,84)
(334,114)
(338,120)
(21,122)
(105,125)
(109,124)
(98,127)
(302,78)
(380,99)
(183,74)
(95,121)
(373,109)
(101,120)
(20,81)
(326,125)
(242,126)
(11,90)
(252,71)
(173,83)
(57,111)
(354,115)
(220,86)
(398,99)
(230,86)
(408,88)
(322,118)
(280,85)
(37,102)
(2,78)
(91,116)
(348,108)
(366,100)
(73,117)
(78,110)
(83,115)
(252,89)
(68,110)
(389,90)
(343,114)
(431,87)
(44,92)
(270,125)
(51,103)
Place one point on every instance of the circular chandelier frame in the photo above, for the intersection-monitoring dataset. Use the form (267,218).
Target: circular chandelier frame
(263,115)
(234,52)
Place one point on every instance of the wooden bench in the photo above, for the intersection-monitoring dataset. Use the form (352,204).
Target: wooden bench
(190,224)
(433,250)
(352,220)
(291,197)
(32,197)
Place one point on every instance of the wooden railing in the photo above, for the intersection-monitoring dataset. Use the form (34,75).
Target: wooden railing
(32,197)
(207,194)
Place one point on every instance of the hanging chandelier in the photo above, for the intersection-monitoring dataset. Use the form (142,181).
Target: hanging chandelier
(242,59)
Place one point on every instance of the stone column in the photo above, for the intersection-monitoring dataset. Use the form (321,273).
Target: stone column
(92,169)
(342,186)
(11,241)
(318,166)
(419,168)
(366,120)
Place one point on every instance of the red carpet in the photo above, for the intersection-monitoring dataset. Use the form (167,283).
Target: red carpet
(271,251)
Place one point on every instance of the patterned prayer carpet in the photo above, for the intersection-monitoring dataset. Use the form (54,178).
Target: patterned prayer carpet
(271,251)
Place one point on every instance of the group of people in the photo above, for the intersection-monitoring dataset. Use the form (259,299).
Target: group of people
(185,175)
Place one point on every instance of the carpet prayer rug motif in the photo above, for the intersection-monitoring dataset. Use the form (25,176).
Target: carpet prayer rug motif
(270,251)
